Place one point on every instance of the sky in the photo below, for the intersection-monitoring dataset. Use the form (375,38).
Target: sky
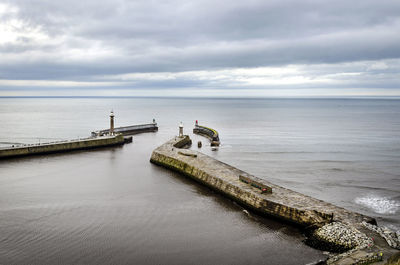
(200,48)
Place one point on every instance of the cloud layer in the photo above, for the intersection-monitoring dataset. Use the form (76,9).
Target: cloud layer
(258,46)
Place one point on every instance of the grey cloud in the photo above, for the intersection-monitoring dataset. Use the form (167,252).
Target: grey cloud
(175,36)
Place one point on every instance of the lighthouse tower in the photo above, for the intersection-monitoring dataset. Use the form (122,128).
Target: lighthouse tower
(181,129)
(112,123)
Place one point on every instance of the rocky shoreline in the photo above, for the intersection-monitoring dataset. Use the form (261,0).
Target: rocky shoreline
(391,237)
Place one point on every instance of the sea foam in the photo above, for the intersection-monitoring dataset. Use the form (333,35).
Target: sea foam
(381,205)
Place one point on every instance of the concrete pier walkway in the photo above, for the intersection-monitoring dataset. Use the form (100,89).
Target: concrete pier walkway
(282,203)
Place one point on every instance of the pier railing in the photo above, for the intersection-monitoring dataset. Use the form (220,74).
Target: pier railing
(63,146)
(21,145)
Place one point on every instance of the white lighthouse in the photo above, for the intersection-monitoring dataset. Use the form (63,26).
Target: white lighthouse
(181,129)
(112,123)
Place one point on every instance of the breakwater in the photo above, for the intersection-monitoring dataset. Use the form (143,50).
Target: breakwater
(207,132)
(130,130)
(63,146)
(348,233)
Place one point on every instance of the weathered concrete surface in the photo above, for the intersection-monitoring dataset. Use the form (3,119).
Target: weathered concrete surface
(65,146)
(282,203)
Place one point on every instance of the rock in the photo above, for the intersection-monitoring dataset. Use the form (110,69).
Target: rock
(392,238)
(338,237)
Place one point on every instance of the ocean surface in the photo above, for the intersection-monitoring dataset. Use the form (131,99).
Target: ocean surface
(111,206)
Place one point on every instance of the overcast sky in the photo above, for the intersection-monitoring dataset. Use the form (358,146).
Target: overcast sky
(199,48)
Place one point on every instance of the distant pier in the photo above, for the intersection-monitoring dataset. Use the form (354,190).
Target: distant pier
(130,130)
(63,146)
(207,132)
(328,226)
(109,137)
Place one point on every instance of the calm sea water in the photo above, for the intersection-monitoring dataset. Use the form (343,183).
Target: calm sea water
(112,206)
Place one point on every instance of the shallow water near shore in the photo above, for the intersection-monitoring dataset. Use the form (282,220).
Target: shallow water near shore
(111,206)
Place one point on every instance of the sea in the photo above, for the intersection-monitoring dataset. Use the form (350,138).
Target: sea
(112,206)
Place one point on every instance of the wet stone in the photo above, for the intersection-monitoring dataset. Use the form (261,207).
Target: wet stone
(338,237)
(391,237)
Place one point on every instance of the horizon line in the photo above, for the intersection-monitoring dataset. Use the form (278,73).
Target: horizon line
(188,97)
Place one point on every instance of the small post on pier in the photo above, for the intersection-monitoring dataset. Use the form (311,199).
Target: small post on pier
(181,129)
(197,122)
(112,123)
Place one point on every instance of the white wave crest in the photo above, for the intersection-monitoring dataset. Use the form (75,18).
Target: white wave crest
(381,205)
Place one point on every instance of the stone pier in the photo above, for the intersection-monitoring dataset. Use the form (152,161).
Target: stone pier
(299,209)
(207,132)
(63,146)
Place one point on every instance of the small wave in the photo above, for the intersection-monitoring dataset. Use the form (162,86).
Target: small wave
(381,205)
(337,169)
